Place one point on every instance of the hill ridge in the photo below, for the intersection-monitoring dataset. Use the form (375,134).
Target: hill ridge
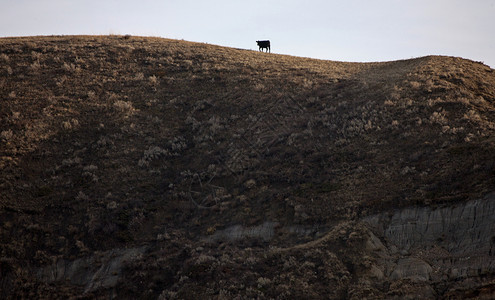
(116,142)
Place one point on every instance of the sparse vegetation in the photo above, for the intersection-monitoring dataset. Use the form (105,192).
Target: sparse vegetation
(110,142)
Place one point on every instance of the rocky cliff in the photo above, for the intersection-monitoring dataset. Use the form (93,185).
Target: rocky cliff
(446,248)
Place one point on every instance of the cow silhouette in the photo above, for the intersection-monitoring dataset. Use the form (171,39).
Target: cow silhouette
(264,45)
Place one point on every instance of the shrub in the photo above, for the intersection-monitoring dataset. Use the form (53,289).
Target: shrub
(152,153)
(472,115)
(153,80)
(69,67)
(124,106)
(439,117)
(6,135)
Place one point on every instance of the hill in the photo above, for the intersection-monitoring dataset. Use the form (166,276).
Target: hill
(146,167)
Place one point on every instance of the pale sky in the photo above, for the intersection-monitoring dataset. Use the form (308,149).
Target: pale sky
(343,30)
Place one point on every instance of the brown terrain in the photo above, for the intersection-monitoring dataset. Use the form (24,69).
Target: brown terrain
(149,168)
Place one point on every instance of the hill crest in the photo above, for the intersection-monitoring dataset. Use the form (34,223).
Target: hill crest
(128,139)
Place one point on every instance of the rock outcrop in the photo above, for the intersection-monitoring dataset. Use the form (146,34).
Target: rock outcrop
(99,271)
(437,246)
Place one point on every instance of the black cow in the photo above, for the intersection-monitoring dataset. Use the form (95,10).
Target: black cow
(264,45)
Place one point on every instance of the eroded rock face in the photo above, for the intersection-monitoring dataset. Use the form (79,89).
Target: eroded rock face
(464,228)
(412,268)
(99,271)
(436,246)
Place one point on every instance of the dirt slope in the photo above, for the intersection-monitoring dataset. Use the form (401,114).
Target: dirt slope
(163,147)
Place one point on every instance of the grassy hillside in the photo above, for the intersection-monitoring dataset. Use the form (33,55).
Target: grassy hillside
(117,142)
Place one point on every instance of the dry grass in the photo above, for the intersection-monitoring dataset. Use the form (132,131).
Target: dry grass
(122,138)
